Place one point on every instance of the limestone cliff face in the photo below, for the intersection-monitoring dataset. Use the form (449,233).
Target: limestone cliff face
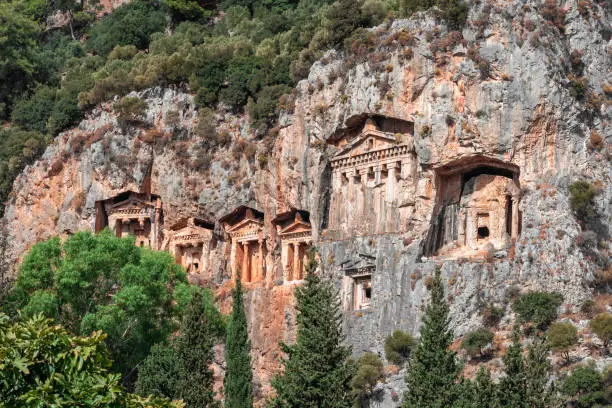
(500,90)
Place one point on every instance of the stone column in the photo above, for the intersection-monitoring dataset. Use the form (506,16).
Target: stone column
(233,256)
(204,257)
(297,271)
(351,205)
(515,216)
(390,195)
(260,261)
(363,174)
(246,273)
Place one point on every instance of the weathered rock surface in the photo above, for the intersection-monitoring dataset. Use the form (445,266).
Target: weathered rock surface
(522,112)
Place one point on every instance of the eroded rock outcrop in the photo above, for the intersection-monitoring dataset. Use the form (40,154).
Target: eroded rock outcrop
(433,147)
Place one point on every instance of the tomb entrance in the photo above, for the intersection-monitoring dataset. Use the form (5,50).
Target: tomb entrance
(132,213)
(189,242)
(244,225)
(357,282)
(477,207)
(375,162)
(294,230)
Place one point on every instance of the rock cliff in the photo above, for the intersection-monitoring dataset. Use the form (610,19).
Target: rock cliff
(506,93)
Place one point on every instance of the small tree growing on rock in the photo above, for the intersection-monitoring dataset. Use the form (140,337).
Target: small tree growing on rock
(475,341)
(602,327)
(369,372)
(539,308)
(398,346)
(562,337)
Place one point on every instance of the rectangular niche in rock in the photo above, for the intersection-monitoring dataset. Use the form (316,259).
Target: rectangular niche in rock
(373,170)
(293,228)
(357,282)
(244,225)
(477,208)
(132,213)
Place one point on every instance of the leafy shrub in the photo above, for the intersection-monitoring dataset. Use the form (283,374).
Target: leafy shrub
(369,372)
(130,24)
(44,363)
(539,308)
(602,327)
(492,315)
(582,194)
(398,346)
(32,113)
(585,388)
(476,340)
(130,110)
(562,337)
(101,282)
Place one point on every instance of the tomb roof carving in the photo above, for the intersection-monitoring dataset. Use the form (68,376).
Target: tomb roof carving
(240,214)
(387,124)
(192,222)
(361,264)
(465,164)
(292,222)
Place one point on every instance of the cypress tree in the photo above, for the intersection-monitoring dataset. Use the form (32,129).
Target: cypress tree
(194,346)
(238,377)
(537,372)
(316,371)
(512,389)
(433,373)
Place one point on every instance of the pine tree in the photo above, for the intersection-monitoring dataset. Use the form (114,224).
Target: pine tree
(316,371)
(512,389)
(194,347)
(238,377)
(484,389)
(434,370)
(537,372)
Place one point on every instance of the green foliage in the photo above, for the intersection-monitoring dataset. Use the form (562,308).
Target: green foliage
(100,282)
(33,113)
(492,315)
(158,374)
(398,346)
(562,337)
(181,368)
(513,386)
(539,308)
(18,55)
(238,379)
(130,24)
(482,392)
(602,327)
(316,371)
(369,372)
(476,340)
(582,194)
(585,388)
(130,110)
(434,369)
(18,148)
(182,10)
(537,375)
(201,328)
(43,365)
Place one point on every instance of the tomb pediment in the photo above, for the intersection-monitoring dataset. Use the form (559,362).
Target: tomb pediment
(370,140)
(361,265)
(132,203)
(295,227)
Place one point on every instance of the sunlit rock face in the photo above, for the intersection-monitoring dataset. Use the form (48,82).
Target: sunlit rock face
(401,163)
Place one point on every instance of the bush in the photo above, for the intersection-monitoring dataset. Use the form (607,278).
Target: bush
(398,346)
(369,372)
(32,113)
(476,340)
(130,24)
(539,308)
(492,315)
(562,337)
(584,387)
(602,327)
(582,194)
(130,110)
